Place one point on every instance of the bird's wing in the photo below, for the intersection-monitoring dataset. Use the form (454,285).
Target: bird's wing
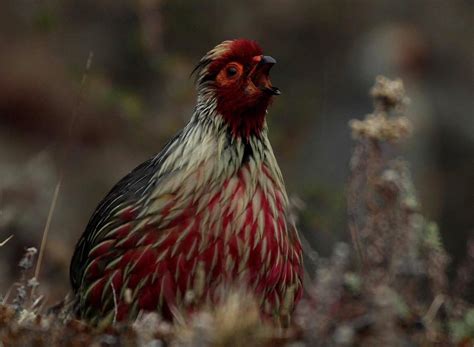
(117,208)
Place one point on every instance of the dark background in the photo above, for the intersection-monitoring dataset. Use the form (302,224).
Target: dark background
(138,93)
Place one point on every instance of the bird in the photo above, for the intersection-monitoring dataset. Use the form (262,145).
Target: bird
(208,213)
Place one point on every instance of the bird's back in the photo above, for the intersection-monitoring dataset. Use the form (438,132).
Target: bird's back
(126,193)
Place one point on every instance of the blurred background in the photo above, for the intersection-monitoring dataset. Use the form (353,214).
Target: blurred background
(138,93)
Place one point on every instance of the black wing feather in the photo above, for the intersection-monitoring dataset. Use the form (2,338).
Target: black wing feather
(128,190)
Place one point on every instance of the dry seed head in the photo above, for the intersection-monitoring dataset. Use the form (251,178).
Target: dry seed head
(388,94)
(380,127)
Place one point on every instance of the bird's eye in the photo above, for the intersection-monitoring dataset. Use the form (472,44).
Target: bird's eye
(231,71)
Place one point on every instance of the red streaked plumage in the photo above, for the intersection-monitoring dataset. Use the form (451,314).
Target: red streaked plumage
(209,212)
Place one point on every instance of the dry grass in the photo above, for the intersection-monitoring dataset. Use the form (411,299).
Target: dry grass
(390,289)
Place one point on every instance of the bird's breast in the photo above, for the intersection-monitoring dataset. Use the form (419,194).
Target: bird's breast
(196,238)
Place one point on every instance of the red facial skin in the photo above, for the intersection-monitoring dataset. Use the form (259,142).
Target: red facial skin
(241,102)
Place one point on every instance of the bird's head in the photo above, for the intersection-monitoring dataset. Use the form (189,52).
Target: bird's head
(236,75)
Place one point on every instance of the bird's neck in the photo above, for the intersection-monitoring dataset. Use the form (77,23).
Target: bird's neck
(243,120)
(210,132)
(206,155)
(209,140)
(246,122)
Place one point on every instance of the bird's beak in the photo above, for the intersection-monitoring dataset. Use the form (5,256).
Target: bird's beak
(266,59)
(260,74)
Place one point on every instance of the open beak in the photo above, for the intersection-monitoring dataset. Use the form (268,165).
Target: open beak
(260,74)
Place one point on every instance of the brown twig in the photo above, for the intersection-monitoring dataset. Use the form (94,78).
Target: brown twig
(61,172)
(4,242)
(47,226)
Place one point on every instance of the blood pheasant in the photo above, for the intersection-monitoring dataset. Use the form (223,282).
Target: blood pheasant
(207,213)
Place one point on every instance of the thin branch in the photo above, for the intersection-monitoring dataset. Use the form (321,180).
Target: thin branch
(47,226)
(3,243)
(61,173)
